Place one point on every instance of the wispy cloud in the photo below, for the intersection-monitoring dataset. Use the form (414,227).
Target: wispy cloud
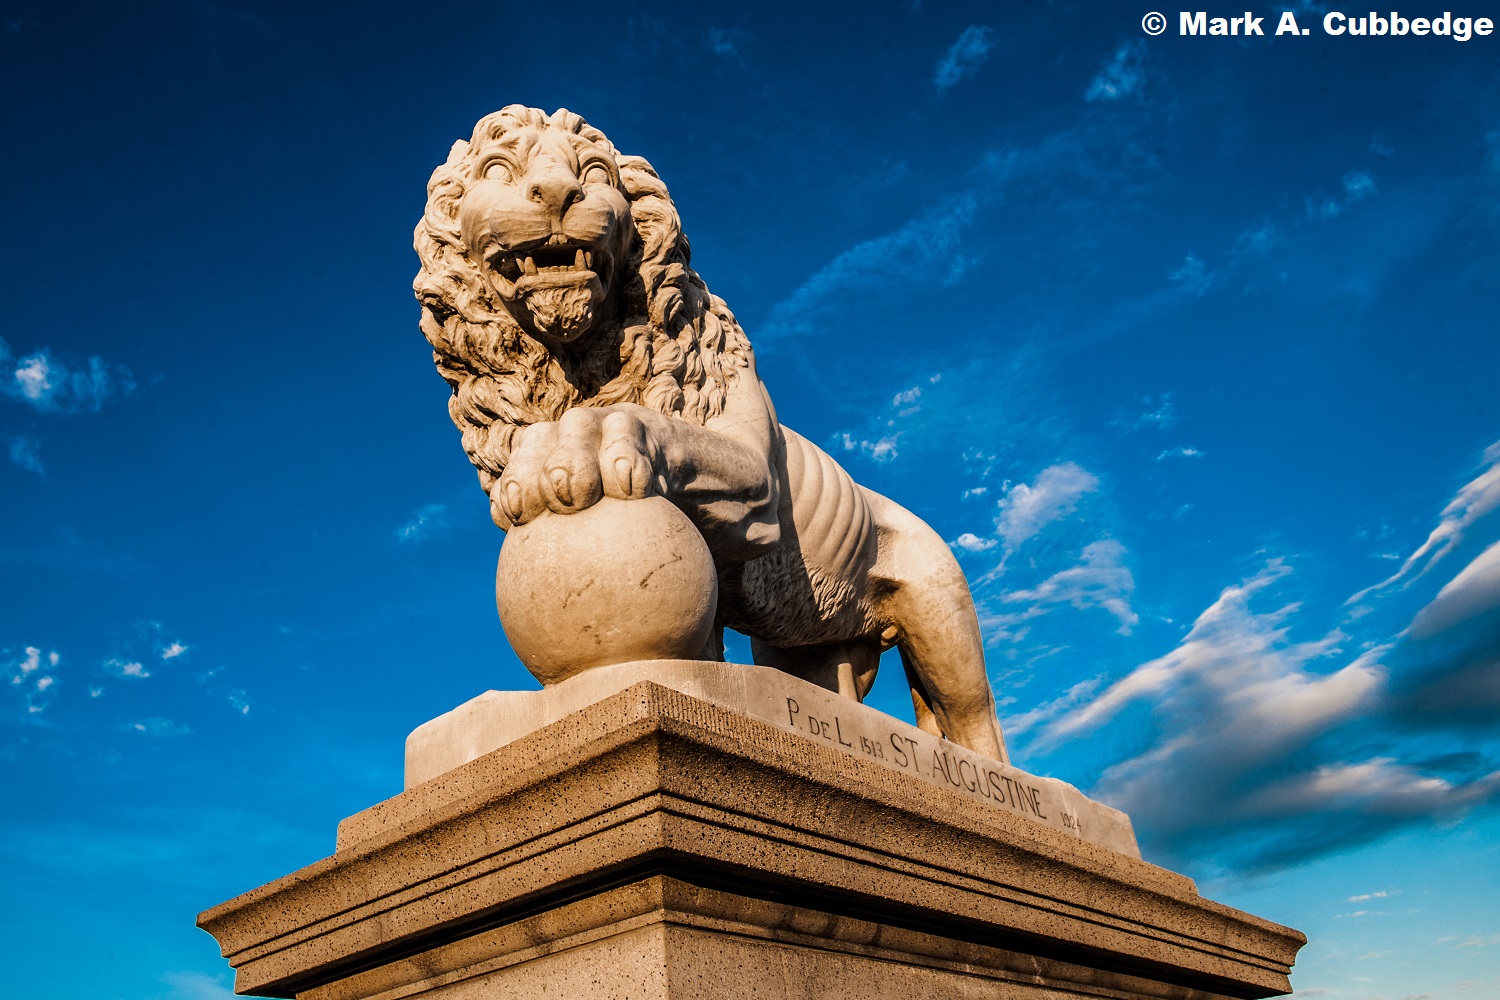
(1358,186)
(725,42)
(926,242)
(25,453)
(159,727)
(430,518)
(1478,497)
(1181,451)
(1378,894)
(1121,76)
(1100,580)
(1159,412)
(1193,275)
(964,58)
(1025,510)
(50,384)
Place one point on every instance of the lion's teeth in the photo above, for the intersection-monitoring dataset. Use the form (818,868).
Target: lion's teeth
(578,264)
(588,260)
(529,266)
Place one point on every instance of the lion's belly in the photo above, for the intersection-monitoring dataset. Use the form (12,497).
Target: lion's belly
(813,587)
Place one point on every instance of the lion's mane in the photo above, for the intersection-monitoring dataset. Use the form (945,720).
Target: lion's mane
(673,346)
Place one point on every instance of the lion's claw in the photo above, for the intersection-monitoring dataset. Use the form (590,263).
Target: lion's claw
(623,469)
(562,488)
(510,501)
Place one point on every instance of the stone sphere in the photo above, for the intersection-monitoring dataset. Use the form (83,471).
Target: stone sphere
(619,581)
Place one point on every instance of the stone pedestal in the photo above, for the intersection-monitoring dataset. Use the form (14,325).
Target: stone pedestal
(655,843)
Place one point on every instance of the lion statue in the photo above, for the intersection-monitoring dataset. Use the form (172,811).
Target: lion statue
(588,360)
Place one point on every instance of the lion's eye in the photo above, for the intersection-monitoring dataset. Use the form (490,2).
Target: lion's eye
(497,171)
(597,174)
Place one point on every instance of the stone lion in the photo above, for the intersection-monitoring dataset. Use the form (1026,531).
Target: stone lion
(588,360)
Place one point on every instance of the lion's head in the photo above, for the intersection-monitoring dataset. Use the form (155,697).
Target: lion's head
(555,274)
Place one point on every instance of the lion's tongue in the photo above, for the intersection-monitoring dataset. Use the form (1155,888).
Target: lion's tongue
(561,312)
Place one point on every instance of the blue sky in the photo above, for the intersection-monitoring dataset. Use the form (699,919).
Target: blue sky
(1188,345)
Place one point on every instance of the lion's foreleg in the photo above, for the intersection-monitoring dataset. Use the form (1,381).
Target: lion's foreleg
(728,487)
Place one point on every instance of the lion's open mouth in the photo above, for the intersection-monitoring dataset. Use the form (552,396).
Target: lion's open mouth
(549,266)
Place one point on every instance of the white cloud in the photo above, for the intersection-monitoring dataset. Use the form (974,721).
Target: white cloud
(1380,894)
(880,450)
(1121,76)
(24,452)
(239,701)
(430,518)
(1473,592)
(1101,580)
(1478,497)
(31,677)
(970,542)
(173,650)
(51,385)
(127,668)
(1026,510)
(1182,451)
(964,57)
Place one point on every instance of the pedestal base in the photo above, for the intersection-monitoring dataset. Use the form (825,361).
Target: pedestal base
(657,845)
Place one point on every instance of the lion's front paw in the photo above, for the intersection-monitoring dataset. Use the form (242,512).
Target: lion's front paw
(568,465)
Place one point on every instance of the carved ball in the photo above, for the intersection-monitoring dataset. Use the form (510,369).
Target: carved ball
(622,580)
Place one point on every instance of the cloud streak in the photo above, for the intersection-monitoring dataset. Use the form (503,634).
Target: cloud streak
(1477,498)
(1250,753)
(1100,580)
(963,58)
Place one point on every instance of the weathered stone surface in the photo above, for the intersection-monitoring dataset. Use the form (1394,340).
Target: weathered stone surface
(496,718)
(573,592)
(655,844)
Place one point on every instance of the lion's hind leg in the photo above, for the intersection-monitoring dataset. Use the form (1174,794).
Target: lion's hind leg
(924,596)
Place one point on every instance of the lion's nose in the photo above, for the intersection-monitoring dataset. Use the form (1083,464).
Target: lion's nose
(554,188)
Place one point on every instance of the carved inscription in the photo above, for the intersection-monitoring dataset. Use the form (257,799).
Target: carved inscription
(943,764)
